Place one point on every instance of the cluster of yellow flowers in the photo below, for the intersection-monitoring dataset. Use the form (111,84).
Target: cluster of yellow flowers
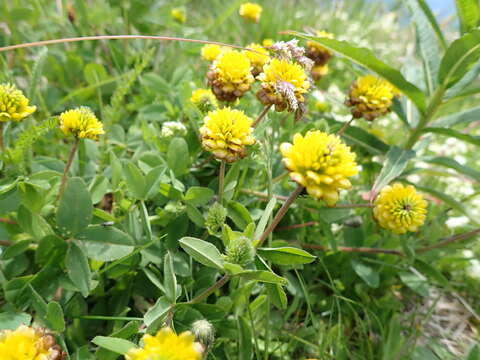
(320,55)
(371,97)
(27,343)
(178,14)
(204,100)
(166,345)
(226,132)
(81,123)
(13,104)
(250,11)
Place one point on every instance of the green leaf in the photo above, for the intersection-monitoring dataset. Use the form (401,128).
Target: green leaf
(204,252)
(75,209)
(469,14)
(433,23)
(170,280)
(357,136)
(94,73)
(54,317)
(198,196)
(396,162)
(105,243)
(366,58)
(117,345)
(475,140)
(15,249)
(157,311)
(78,269)
(427,40)
(415,282)
(195,215)
(286,255)
(135,180)
(461,117)
(367,273)
(12,320)
(457,91)
(178,157)
(460,57)
(455,165)
(432,272)
(262,223)
(474,353)
(239,214)
(277,295)
(263,276)
(245,345)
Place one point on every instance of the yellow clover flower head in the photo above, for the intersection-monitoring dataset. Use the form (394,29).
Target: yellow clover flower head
(268,42)
(204,100)
(211,51)
(318,53)
(226,132)
(82,123)
(166,345)
(13,104)
(230,75)
(371,97)
(27,343)
(400,208)
(258,58)
(178,14)
(283,85)
(250,11)
(318,71)
(321,163)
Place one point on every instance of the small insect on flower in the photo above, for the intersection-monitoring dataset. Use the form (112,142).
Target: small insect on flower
(400,208)
(283,84)
(82,123)
(166,345)
(178,14)
(371,97)
(230,75)
(211,51)
(204,100)
(13,104)
(250,11)
(258,57)
(226,132)
(27,343)
(321,163)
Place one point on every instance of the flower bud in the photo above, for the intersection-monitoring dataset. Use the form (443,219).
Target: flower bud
(215,219)
(240,251)
(204,332)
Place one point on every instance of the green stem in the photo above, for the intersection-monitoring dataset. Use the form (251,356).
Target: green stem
(262,115)
(430,113)
(221,181)
(345,127)
(279,215)
(67,167)
(2,146)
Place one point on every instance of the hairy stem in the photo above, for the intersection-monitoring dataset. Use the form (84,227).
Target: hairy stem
(210,290)
(67,167)
(262,115)
(279,215)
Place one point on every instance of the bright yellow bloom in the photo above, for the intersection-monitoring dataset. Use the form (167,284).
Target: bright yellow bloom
(230,75)
(258,58)
(166,345)
(371,97)
(318,53)
(26,343)
(400,208)
(250,11)
(283,85)
(204,100)
(267,42)
(82,123)
(178,14)
(225,133)
(321,163)
(211,51)
(13,104)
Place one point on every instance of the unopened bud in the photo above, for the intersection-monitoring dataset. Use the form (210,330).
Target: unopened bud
(204,332)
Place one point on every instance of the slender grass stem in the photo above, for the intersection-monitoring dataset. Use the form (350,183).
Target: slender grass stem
(221,181)
(67,167)
(279,215)
(345,127)
(262,115)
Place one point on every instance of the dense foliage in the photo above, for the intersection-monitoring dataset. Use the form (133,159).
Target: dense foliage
(247,196)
